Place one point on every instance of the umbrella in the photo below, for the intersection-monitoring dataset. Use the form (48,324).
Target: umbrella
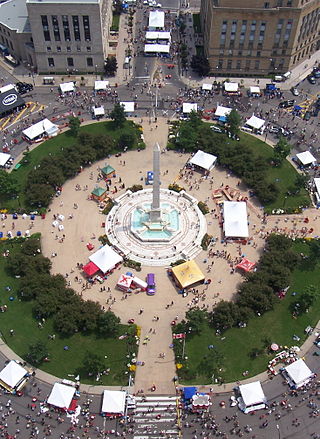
(60,227)
(27,233)
(24,216)
(55,223)
(60,217)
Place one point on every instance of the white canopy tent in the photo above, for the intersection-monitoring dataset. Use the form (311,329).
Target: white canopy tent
(207,87)
(252,397)
(98,111)
(113,401)
(41,128)
(101,85)
(4,158)
(156,19)
(203,160)
(12,375)
(255,122)
(7,87)
(61,396)
(222,111)
(157,48)
(254,90)
(67,87)
(298,374)
(306,158)
(128,106)
(105,258)
(161,35)
(231,87)
(188,107)
(235,219)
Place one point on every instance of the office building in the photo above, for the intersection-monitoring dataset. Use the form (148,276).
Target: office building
(258,37)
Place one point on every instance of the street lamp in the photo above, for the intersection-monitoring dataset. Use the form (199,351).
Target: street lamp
(95,69)
(278,428)
(32,75)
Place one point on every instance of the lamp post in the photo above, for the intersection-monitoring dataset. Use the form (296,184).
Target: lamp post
(32,74)
(95,69)
(278,428)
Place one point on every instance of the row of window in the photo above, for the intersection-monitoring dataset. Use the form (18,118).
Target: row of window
(61,24)
(247,64)
(309,24)
(68,49)
(257,53)
(70,62)
(6,42)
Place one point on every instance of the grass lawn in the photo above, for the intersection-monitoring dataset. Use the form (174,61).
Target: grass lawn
(62,362)
(277,325)
(55,146)
(196,23)
(115,22)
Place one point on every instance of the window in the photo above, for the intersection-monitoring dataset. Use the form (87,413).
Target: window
(55,25)
(248,62)
(266,5)
(45,28)
(220,63)
(78,49)
(70,62)
(289,3)
(238,64)
(257,65)
(253,25)
(258,53)
(76,27)
(89,62)
(86,26)
(58,49)
(50,62)
(48,49)
(239,52)
(66,29)
(88,49)
(68,49)
(229,64)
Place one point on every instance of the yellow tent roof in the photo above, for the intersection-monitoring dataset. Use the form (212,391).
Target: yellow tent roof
(187,273)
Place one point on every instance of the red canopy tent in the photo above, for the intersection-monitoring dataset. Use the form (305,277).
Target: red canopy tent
(246,265)
(90,269)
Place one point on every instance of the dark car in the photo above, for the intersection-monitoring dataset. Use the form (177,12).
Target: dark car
(287,104)
(307,115)
(24,87)
(316,72)
(311,79)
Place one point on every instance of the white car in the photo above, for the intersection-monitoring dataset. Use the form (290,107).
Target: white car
(159,5)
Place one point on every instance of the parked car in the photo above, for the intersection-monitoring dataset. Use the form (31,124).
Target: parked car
(287,104)
(316,72)
(311,79)
(307,115)
(295,91)
(151,284)
(216,129)
(23,87)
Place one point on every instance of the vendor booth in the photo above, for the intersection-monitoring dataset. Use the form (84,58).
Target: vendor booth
(207,87)
(222,111)
(108,171)
(98,112)
(13,377)
(251,397)
(99,194)
(67,87)
(200,402)
(106,259)
(203,160)
(4,159)
(101,85)
(36,133)
(113,402)
(61,396)
(156,20)
(187,274)
(231,88)
(306,158)
(124,282)
(128,107)
(297,374)
(157,49)
(256,124)
(188,107)
(254,91)
(246,265)
(139,283)
(90,269)
(235,218)
(157,37)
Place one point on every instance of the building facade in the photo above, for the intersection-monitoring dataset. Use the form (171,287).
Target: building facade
(70,36)
(258,37)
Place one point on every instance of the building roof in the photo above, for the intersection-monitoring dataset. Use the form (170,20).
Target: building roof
(203,160)
(188,273)
(107,170)
(98,191)
(306,158)
(105,258)
(14,15)
(114,401)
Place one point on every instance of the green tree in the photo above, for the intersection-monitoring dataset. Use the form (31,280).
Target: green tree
(234,120)
(211,365)
(74,125)
(301,181)
(108,324)
(305,301)
(39,195)
(110,66)
(90,313)
(200,64)
(315,250)
(281,151)
(37,353)
(195,320)
(8,184)
(224,315)
(118,115)
(93,363)
(126,140)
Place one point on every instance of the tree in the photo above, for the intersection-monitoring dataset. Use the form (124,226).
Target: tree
(315,250)
(110,66)
(117,7)
(90,312)
(301,181)
(118,116)
(108,324)
(281,151)
(93,363)
(305,301)
(195,320)
(39,195)
(126,140)
(8,184)
(211,364)
(234,120)
(200,64)
(37,353)
(224,315)
(74,125)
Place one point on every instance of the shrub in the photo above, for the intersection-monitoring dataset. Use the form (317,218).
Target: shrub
(203,207)
(206,241)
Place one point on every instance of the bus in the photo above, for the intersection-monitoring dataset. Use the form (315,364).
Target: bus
(151,284)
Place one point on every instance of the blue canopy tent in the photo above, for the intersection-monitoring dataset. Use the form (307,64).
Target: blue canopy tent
(188,392)
(223,119)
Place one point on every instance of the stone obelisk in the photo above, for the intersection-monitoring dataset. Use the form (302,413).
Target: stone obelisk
(155,212)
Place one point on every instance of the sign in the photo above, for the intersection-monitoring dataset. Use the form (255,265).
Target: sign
(178,336)
(10,99)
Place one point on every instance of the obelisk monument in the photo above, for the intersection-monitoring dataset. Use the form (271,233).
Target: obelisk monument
(155,212)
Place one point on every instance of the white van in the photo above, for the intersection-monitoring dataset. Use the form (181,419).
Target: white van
(286,76)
